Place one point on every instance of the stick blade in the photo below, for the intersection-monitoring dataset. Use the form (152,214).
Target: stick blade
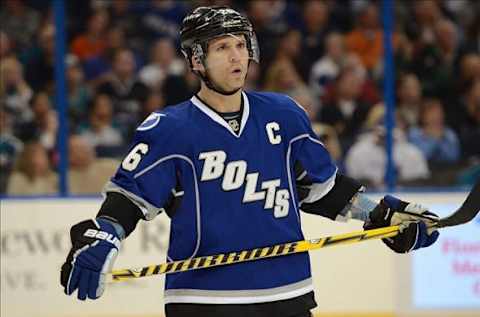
(468,210)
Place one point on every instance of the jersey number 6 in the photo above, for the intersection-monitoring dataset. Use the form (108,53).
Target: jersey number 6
(133,158)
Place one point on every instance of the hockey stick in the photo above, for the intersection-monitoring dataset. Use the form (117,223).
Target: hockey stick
(468,211)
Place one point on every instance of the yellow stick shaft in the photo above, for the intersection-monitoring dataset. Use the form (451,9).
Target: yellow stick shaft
(253,254)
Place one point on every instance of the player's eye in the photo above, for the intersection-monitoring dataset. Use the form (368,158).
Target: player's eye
(241,45)
(221,47)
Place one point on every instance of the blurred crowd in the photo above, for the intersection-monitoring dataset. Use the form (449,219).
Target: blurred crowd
(124,62)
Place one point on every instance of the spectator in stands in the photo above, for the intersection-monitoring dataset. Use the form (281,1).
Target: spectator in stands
(439,56)
(304,97)
(469,69)
(5,45)
(434,60)
(86,173)
(447,37)
(160,18)
(14,90)
(467,119)
(39,69)
(271,16)
(403,50)
(366,40)
(154,102)
(92,43)
(345,111)
(178,88)
(10,147)
(366,160)
(266,28)
(369,93)
(121,13)
(327,68)
(471,43)
(290,47)
(282,14)
(20,22)
(163,62)
(468,72)
(282,77)
(96,68)
(124,16)
(314,29)
(459,11)
(425,14)
(433,137)
(33,175)
(100,131)
(329,138)
(409,100)
(126,90)
(78,92)
(43,127)
(116,39)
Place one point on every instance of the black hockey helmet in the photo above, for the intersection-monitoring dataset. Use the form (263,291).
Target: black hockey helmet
(206,23)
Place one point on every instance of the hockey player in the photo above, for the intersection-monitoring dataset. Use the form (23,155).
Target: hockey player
(232,169)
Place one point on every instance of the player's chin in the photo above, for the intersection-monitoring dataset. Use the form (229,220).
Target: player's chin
(239,81)
(239,86)
(236,84)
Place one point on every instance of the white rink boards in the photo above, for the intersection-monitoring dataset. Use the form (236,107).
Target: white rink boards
(364,277)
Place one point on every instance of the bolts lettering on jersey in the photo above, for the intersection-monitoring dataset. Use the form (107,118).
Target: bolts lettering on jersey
(235,176)
(250,194)
(213,167)
(282,203)
(271,187)
(271,128)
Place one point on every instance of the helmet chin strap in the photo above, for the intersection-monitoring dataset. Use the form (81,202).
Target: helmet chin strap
(210,84)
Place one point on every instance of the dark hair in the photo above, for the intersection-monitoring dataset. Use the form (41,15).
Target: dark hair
(427,105)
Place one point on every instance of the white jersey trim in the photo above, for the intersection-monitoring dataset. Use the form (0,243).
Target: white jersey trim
(150,216)
(215,117)
(197,192)
(149,211)
(320,189)
(289,174)
(195,296)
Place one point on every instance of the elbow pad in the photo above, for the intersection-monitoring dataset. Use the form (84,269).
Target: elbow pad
(334,202)
(118,208)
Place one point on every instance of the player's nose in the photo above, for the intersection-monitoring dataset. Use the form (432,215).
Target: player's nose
(235,55)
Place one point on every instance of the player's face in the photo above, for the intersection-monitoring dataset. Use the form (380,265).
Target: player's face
(227,61)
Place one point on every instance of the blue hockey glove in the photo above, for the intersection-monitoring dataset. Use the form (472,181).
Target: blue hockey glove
(95,244)
(413,220)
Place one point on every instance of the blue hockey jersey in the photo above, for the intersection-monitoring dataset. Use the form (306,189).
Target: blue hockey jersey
(239,193)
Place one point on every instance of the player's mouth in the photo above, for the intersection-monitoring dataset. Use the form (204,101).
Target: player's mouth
(237,71)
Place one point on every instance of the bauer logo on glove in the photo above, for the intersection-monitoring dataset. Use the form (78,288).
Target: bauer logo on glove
(102,235)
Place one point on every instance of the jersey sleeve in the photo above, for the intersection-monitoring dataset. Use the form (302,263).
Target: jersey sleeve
(147,174)
(321,189)
(310,153)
